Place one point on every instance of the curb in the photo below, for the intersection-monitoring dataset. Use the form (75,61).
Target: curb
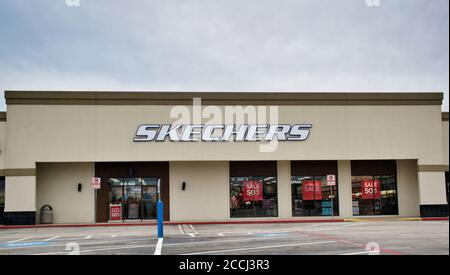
(165,223)
(213,223)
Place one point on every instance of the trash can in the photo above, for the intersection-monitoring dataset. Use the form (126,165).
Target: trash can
(46,214)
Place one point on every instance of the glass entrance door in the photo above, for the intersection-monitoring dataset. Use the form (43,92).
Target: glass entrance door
(132,199)
(137,196)
(149,198)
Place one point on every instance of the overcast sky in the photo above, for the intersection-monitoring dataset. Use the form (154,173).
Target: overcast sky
(225,45)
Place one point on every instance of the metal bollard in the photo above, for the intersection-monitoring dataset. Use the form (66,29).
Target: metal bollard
(160,219)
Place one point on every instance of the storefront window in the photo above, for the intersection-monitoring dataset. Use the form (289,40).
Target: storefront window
(310,194)
(374,195)
(312,197)
(136,196)
(253,197)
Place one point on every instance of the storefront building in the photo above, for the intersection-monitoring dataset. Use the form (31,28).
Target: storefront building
(222,156)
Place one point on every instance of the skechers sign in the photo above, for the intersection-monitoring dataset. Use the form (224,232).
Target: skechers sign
(221,132)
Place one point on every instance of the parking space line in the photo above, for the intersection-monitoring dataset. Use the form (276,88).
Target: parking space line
(321,229)
(51,239)
(219,241)
(63,244)
(137,246)
(362,253)
(19,240)
(158,248)
(259,248)
(99,250)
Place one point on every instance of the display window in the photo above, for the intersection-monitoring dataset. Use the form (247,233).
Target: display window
(312,197)
(253,196)
(374,195)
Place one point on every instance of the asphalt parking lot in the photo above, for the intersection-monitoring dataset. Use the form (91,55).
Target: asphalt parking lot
(349,238)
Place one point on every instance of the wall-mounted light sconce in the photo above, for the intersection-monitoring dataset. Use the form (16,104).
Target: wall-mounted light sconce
(183,186)
(80,187)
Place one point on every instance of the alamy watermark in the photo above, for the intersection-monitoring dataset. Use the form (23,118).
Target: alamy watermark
(228,115)
(73,3)
(197,123)
(373,3)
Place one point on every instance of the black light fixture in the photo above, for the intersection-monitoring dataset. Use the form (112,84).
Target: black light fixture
(80,187)
(183,186)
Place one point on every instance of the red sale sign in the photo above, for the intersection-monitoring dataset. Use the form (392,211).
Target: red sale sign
(370,190)
(253,191)
(115,212)
(312,190)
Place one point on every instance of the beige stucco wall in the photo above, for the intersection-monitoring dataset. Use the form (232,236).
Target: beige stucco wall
(57,186)
(408,188)
(432,188)
(207,191)
(89,133)
(40,133)
(20,194)
(2,144)
(446,141)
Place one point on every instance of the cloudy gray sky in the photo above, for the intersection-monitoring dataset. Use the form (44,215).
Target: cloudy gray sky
(225,45)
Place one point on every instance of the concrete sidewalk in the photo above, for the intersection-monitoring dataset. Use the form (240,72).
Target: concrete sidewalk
(259,221)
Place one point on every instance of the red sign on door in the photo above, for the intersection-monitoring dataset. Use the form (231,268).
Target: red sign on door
(370,190)
(253,191)
(312,190)
(115,212)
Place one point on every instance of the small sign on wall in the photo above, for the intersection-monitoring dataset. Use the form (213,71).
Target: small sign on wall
(331,180)
(96,183)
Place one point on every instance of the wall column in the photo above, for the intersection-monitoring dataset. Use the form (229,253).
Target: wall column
(432,193)
(345,188)
(20,200)
(284,189)
(408,188)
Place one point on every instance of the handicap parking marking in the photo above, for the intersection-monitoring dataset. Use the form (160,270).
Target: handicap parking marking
(29,244)
(180,228)
(185,228)
(193,229)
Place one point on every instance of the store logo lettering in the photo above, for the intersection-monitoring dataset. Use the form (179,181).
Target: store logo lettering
(222,133)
